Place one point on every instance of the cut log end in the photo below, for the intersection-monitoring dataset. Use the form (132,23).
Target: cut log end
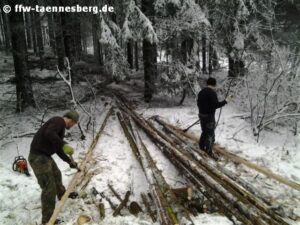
(134,208)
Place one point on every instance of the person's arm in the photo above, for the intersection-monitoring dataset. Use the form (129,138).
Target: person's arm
(215,102)
(63,156)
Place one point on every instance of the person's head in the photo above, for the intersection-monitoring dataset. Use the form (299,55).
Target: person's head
(211,82)
(71,118)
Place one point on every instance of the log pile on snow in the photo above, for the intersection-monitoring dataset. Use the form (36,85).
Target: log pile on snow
(230,194)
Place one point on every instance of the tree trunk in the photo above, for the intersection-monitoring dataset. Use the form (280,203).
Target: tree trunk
(96,43)
(6,28)
(23,83)
(149,69)
(210,58)
(149,55)
(77,36)
(51,31)
(204,53)
(130,53)
(33,32)
(215,60)
(28,30)
(183,51)
(39,35)
(136,54)
(66,22)
(84,45)
(2,35)
(236,67)
(59,41)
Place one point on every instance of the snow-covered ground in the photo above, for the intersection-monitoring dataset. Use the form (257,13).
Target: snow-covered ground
(115,164)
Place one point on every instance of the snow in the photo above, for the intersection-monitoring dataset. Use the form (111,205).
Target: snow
(116,165)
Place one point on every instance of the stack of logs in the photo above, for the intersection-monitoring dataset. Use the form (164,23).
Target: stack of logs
(238,201)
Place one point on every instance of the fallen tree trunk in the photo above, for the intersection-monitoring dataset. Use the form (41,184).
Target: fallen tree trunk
(79,173)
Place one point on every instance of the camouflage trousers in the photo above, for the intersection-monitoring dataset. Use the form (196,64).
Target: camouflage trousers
(50,181)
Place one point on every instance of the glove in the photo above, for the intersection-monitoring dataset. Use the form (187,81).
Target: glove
(229,98)
(68,150)
(73,165)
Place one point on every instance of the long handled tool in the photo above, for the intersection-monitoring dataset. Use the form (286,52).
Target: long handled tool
(186,129)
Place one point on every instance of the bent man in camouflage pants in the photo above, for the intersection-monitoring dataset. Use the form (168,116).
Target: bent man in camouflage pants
(47,141)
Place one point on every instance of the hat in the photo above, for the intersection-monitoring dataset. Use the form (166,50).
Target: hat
(211,81)
(72,115)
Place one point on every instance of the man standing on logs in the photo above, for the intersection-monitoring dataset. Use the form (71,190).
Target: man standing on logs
(47,141)
(208,103)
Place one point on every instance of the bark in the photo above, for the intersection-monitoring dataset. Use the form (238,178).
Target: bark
(51,31)
(28,30)
(215,60)
(2,35)
(136,54)
(39,35)
(210,58)
(186,49)
(33,32)
(149,55)
(183,51)
(59,43)
(67,31)
(204,53)
(236,67)
(77,36)
(23,82)
(130,53)
(96,43)
(149,69)
(6,28)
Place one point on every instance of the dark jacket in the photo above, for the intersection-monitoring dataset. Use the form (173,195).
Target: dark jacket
(49,139)
(208,102)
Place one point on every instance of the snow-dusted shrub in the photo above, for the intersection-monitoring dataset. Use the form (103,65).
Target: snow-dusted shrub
(176,77)
(115,63)
(270,90)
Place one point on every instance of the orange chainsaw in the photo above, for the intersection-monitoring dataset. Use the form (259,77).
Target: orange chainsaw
(20,165)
